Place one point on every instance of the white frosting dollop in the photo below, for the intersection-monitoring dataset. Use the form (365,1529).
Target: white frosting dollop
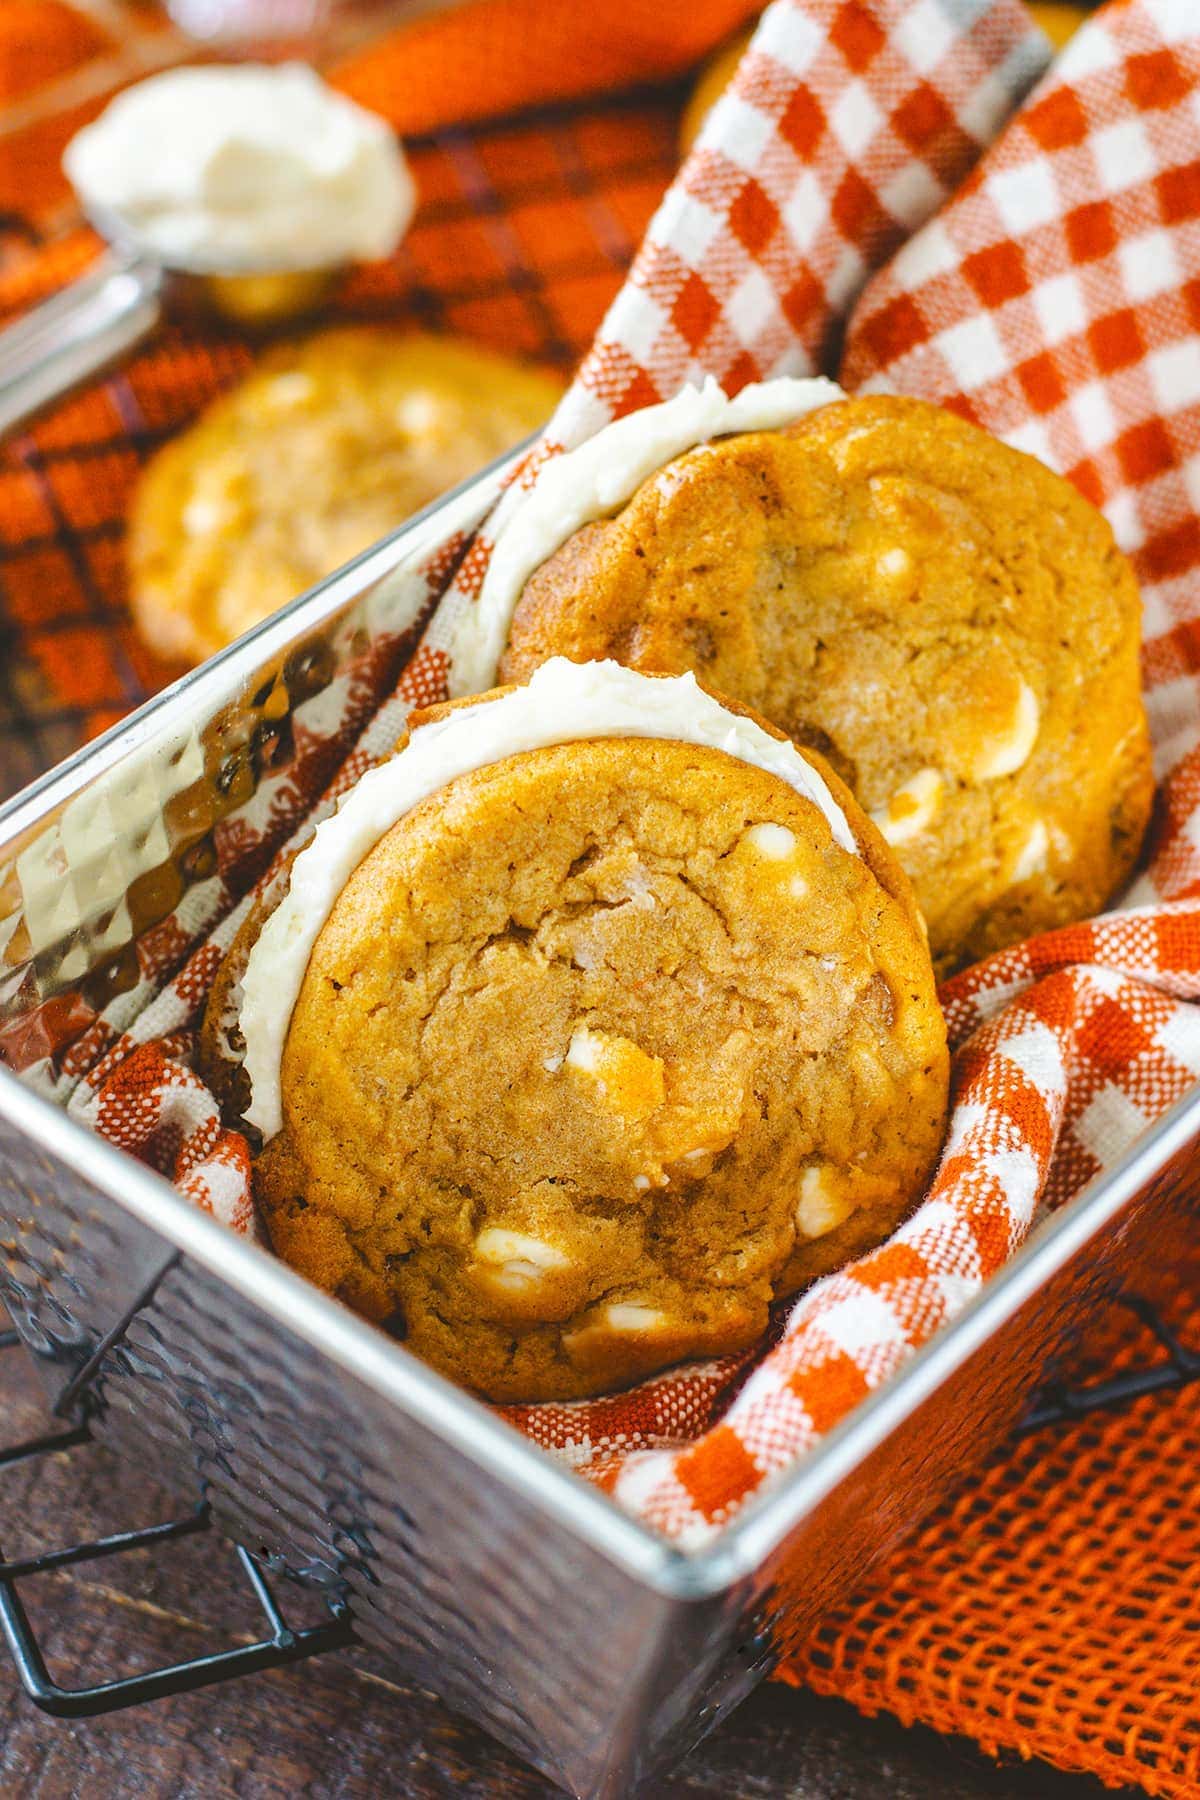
(563,703)
(595,480)
(244,168)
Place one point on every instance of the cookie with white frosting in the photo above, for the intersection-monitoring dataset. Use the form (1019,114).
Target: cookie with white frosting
(595,1020)
(948,621)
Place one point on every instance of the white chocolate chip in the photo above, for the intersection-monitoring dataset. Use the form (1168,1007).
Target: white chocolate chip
(594,1338)
(497,1244)
(291,389)
(552,1064)
(638,889)
(624,1316)
(1006,753)
(621,1076)
(515,1261)
(893,564)
(821,1206)
(912,808)
(775,842)
(203,513)
(418,413)
(798,887)
(584,1050)
(1032,857)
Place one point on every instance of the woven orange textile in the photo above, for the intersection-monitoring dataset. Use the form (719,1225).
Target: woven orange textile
(493,56)
(1050,1608)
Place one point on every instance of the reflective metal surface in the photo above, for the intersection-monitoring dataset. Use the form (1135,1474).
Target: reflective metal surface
(77,333)
(492,1575)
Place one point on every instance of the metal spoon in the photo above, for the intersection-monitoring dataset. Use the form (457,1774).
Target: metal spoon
(120,299)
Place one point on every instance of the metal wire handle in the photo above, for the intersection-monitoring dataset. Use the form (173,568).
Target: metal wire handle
(284,1644)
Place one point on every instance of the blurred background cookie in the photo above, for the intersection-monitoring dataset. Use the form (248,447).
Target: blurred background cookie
(326,446)
(1060,19)
(946,619)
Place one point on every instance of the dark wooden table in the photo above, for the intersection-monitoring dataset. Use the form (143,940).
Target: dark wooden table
(345,1727)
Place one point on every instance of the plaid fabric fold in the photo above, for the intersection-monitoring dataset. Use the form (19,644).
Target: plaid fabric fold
(1044,286)
(844,128)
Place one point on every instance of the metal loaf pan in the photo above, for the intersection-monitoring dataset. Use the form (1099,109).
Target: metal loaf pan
(592,1646)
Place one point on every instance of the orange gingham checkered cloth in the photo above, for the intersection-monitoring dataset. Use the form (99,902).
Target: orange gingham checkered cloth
(1052,298)
(1050,1607)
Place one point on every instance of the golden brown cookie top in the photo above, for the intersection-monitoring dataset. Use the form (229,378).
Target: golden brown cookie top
(327,445)
(603,1046)
(593,481)
(943,617)
(563,703)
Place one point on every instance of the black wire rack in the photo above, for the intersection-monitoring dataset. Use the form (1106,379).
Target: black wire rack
(1057,1404)
(281,1644)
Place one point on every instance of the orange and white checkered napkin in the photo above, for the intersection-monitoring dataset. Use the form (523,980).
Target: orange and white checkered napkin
(1050,289)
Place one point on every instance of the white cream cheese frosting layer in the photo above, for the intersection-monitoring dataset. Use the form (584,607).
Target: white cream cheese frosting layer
(245,167)
(596,479)
(563,703)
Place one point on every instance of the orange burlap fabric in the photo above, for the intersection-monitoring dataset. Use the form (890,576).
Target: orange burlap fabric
(1050,1608)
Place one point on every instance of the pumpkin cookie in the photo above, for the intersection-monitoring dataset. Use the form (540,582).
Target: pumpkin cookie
(949,622)
(622,1030)
(325,447)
